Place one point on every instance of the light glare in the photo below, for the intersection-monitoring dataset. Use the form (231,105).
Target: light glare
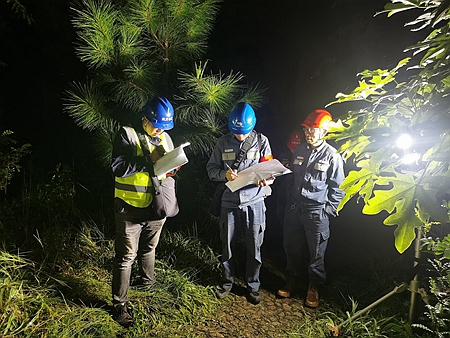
(410,158)
(404,141)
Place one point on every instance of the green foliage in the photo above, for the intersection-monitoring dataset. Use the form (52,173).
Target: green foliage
(10,158)
(436,321)
(438,247)
(176,301)
(134,51)
(188,253)
(162,310)
(72,298)
(413,192)
(20,10)
(206,101)
(330,323)
(31,306)
(80,322)
(44,218)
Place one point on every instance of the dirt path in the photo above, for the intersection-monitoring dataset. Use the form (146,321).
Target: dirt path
(273,317)
(239,318)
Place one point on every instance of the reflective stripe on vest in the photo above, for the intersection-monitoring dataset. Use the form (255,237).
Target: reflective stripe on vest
(136,190)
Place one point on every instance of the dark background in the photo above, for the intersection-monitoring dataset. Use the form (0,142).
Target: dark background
(304,52)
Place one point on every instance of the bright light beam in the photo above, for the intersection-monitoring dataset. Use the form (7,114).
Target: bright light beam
(404,141)
(410,158)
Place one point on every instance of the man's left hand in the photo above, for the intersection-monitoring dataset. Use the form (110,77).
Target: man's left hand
(263,182)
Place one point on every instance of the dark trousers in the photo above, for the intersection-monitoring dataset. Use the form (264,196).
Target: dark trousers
(305,239)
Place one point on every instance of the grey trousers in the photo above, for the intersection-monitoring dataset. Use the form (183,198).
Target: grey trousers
(251,220)
(134,239)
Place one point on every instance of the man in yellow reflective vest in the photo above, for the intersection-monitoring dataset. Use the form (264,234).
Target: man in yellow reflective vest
(137,228)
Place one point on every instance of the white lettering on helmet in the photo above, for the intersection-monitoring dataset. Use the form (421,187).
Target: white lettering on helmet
(165,119)
(237,123)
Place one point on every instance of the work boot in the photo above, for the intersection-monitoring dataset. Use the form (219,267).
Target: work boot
(122,315)
(312,297)
(254,297)
(287,290)
(221,293)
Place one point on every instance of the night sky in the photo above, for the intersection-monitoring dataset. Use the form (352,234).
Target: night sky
(304,52)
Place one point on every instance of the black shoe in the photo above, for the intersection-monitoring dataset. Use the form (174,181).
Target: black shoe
(122,315)
(254,297)
(222,293)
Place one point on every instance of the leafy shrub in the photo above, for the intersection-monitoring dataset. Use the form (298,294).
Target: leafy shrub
(9,158)
(436,320)
(31,305)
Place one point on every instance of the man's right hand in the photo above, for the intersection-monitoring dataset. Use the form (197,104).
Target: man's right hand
(231,175)
(157,153)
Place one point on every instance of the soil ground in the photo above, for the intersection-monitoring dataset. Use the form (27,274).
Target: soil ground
(273,317)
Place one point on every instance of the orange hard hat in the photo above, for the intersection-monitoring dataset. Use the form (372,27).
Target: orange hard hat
(295,138)
(319,118)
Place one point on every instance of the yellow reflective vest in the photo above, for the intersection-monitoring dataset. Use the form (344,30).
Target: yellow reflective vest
(136,190)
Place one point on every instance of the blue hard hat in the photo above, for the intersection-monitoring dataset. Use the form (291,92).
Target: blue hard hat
(242,119)
(159,112)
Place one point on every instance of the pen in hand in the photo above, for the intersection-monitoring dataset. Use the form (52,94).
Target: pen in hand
(231,174)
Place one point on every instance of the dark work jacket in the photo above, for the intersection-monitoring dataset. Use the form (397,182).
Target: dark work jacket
(317,176)
(225,152)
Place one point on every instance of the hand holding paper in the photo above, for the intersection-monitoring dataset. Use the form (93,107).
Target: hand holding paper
(256,173)
(171,160)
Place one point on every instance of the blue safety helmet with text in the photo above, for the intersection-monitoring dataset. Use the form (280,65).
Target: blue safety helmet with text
(159,112)
(242,119)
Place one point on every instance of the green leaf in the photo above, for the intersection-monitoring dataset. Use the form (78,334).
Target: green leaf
(413,195)
(396,8)
(401,197)
(403,188)
(406,222)
(353,183)
(428,203)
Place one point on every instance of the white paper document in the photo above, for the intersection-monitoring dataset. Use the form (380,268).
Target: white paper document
(260,171)
(171,160)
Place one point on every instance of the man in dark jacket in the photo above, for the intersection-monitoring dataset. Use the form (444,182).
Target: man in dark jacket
(313,196)
(244,209)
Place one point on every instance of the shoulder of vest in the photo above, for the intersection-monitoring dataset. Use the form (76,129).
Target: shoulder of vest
(131,134)
(167,140)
